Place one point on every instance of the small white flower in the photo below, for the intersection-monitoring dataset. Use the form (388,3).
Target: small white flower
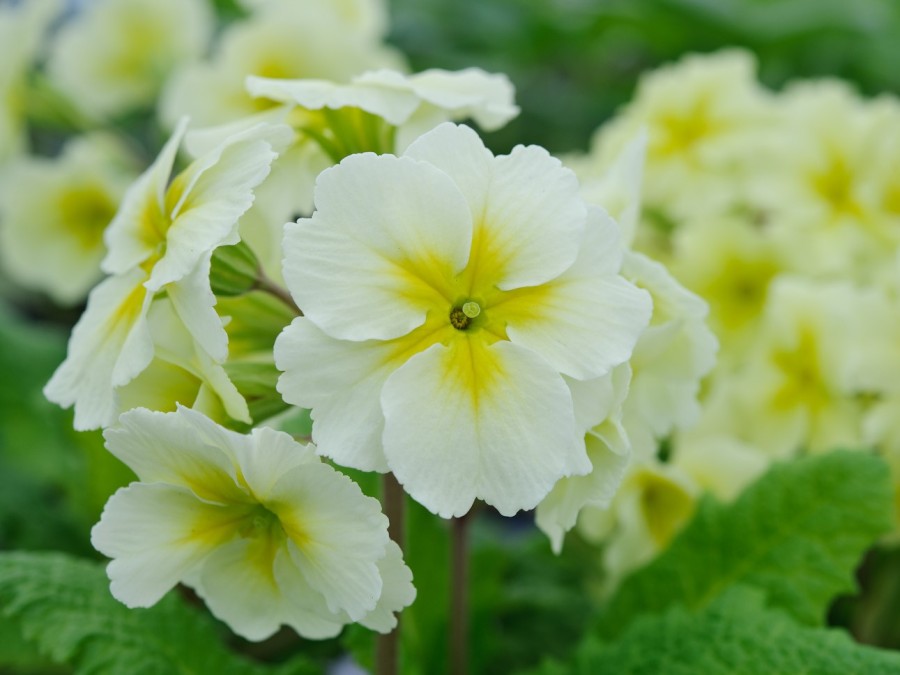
(54,212)
(161,242)
(446,293)
(115,55)
(264,532)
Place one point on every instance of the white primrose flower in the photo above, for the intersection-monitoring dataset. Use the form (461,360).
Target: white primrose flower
(115,55)
(379,111)
(181,372)
(447,293)
(161,242)
(54,212)
(170,226)
(266,533)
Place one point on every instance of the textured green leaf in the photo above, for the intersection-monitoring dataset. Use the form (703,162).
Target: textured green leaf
(735,635)
(63,606)
(796,534)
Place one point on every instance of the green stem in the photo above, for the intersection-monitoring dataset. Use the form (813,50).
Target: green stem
(266,285)
(387,647)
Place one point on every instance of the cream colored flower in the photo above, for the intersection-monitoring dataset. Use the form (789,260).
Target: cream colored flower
(283,39)
(22,31)
(730,262)
(799,387)
(181,372)
(821,181)
(54,212)
(115,55)
(703,115)
(670,359)
(264,532)
(369,17)
(440,321)
(160,245)
(653,505)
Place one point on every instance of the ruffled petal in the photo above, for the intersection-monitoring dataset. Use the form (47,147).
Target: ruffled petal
(587,320)
(337,535)
(167,448)
(369,266)
(527,214)
(157,535)
(341,382)
(110,345)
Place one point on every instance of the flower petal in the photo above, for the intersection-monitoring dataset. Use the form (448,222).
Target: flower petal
(167,448)
(470,421)
(337,535)
(239,587)
(366,266)
(341,382)
(206,200)
(558,512)
(397,591)
(156,534)
(110,345)
(527,214)
(194,302)
(587,320)
(269,456)
(138,228)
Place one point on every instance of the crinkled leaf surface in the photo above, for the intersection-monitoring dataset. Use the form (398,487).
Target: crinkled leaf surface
(796,534)
(63,606)
(735,635)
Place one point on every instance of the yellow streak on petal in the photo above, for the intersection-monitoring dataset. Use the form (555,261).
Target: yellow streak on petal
(666,507)
(803,383)
(127,313)
(87,209)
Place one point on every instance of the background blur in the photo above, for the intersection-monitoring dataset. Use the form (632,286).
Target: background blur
(573,62)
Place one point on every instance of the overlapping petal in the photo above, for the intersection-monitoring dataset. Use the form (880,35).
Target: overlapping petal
(341,382)
(374,257)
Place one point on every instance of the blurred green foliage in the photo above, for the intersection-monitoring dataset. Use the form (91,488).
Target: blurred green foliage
(574,62)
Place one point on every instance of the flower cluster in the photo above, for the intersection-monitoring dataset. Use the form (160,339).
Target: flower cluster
(780,211)
(477,325)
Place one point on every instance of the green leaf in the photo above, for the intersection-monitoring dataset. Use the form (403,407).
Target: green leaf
(63,606)
(796,534)
(735,635)
(52,478)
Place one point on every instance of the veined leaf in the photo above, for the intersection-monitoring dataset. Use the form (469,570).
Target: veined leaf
(735,635)
(796,534)
(63,606)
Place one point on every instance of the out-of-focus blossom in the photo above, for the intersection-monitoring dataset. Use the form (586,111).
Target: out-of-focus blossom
(115,55)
